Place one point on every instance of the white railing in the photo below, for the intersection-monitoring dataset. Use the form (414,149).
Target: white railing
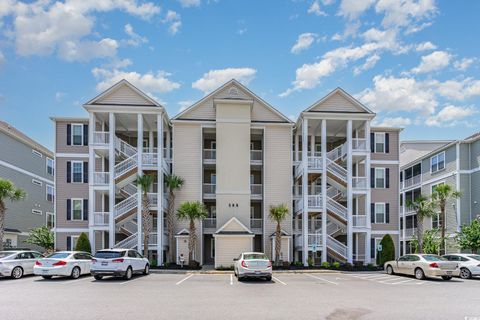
(131,226)
(125,166)
(124,147)
(315,241)
(167,151)
(209,154)
(298,205)
(315,201)
(152,239)
(100,138)
(209,188)
(359,182)
(337,170)
(153,199)
(336,208)
(315,163)
(256,223)
(409,232)
(129,189)
(337,153)
(413,181)
(150,159)
(359,220)
(299,241)
(336,246)
(150,150)
(333,192)
(256,155)
(298,169)
(333,228)
(359,144)
(125,205)
(256,189)
(101,178)
(210,223)
(127,243)
(100,218)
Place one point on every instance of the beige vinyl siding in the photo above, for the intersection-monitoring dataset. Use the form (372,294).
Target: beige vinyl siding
(124,95)
(61,138)
(278,177)
(392,155)
(388,195)
(262,113)
(61,240)
(204,111)
(228,248)
(337,103)
(285,252)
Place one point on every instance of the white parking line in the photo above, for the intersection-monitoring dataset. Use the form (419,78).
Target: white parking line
(278,280)
(320,278)
(404,281)
(186,278)
(231,280)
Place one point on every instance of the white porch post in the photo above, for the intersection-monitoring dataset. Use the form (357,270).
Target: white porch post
(349,192)
(167,145)
(111,185)
(91,169)
(150,141)
(296,146)
(305,191)
(324,190)
(139,173)
(368,234)
(159,189)
(404,243)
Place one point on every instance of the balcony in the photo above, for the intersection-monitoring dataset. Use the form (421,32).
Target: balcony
(409,232)
(101,178)
(150,159)
(209,190)
(315,163)
(209,156)
(209,225)
(412,182)
(314,242)
(315,201)
(359,182)
(256,157)
(256,191)
(359,144)
(101,138)
(256,225)
(153,199)
(359,221)
(101,219)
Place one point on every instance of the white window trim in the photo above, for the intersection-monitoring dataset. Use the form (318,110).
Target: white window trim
(436,156)
(37,182)
(71,133)
(71,173)
(47,214)
(375,142)
(384,212)
(37,153)
(71,242)
(46,192)
(53,166)
(72,209)
(213,144)
(36,211)
(384,178)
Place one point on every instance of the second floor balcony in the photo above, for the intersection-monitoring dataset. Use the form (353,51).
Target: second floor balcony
(411,182)
(210,156)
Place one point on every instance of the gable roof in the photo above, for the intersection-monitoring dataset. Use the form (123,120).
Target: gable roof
(339,91)
(183,232)
(283,233)
(242,229)
(234,82)
(22,137)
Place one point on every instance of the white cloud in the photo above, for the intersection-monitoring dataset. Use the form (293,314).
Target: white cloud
(458,89)
(394,122)
(304,42)
(425,46)
(434,61)
(174,21)
(406,13)
(215,78)
(87,50)
(463,64)
(149,82)
(450,116)
(315,9)
(352,9)
(2,58)
(190,3)
(369,64)
(135,39)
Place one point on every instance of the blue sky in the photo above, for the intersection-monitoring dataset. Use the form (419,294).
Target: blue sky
(414,62)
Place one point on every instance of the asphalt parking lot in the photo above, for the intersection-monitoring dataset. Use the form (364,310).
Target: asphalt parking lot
(370,295)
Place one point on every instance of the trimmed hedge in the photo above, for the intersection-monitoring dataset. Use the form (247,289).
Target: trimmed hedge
(388,250)
(83,244)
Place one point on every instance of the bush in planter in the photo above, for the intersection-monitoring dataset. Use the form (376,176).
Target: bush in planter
(336,265)
(83,244)
(388,250)
(325,264)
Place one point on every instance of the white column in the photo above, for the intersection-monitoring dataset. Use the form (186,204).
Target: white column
(404,243)
(368,195)
(312,143)
(305,190)
(324,190)
(111,185)
(150,141)
(167,145)
(296,146)
(160,190)
(139,173)
(91,169)
(349,192)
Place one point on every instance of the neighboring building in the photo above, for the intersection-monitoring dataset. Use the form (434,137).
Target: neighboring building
(30,166)
(234,152)
(350,173)
(426,164)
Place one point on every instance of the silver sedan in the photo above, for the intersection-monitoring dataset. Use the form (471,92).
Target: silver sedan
(423,266)
(16,264)
(253,265)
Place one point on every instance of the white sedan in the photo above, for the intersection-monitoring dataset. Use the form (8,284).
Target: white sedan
(63,263)
(469,264)
(252,265)
(16,264)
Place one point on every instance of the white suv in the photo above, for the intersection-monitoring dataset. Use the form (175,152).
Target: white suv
(118,263)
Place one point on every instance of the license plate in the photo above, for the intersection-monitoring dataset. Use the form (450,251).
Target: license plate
(44,271)
(257,272)
(104,263)
(449,272)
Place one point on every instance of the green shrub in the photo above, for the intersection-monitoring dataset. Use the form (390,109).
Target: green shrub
(326,264)
(153,263)
(388,250)
(166,264)
(83,244)
(336,265)
(298,264)
(310,261)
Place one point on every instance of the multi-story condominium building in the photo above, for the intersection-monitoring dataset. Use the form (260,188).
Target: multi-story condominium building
(345,182)
(426,164)
(30,166)
(234,152)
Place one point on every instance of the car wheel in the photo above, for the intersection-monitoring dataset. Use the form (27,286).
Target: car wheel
(447,278)
(47,277)
(75,273)
(390,270)
(240,279)
(98,277)
(465,273)
(146,271)
(128,273)
(269,278)
(419,274)
(17,272)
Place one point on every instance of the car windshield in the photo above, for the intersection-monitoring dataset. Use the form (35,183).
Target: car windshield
(4,254)
(433,257)
(109,254)
(59,255)
(255,256)
(475,256)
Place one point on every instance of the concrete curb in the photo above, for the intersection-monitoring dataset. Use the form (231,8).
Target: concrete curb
(160,271)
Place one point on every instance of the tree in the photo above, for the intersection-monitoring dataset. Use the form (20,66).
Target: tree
(83,244)
(42,237)
(8,192)
(278,214)
(173,183)
(144,182)
(440,195)
(388,250)
(469,237)
(424,207)
(192,211)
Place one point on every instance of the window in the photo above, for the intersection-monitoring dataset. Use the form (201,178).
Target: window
(37,153)
(437,221)
(50,166)
(77,209)
(213,178)
(50,193)
(379,212)
(74,240)
(379,142)
(37,182)
(437,162)
(77,171)
(35,211)
(213,144)
(131,254)
(50,220)
(77,134)
(380,178)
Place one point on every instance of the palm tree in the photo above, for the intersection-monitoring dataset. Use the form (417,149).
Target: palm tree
(192,211)
(424,207)
(278,214)
(144,182)
(173,183)
(8,192)
(440,195)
